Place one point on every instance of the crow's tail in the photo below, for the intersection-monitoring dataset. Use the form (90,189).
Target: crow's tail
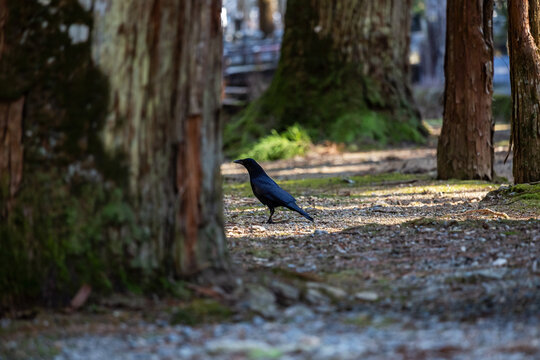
(296,208)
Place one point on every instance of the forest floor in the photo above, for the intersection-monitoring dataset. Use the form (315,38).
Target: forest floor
(397,265)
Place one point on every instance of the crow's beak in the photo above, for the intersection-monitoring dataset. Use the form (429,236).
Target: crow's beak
(238,161)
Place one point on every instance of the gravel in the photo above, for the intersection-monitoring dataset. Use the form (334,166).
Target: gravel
(349,335)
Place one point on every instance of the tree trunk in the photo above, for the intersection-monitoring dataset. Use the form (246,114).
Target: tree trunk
(121,134)
(523,41)
(343,73)
(465,149)
(165,81)
(266,17)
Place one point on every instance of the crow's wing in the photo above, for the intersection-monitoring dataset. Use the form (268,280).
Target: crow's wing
(266,190)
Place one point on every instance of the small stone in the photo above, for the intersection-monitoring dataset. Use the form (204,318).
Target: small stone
(228,346)
(285,291)
(174,338)
(332,291)
(500,262)
(496,274)
(186,352)
(366,296)
(257,320)
(258,228)
(315,297)
(298,313)
(261,301)
(320,232)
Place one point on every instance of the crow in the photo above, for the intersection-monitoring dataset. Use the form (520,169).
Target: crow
(267,191)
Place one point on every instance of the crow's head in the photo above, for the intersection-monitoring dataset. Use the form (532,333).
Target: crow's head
(250,164)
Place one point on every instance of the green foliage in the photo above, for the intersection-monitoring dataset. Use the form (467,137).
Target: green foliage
(200,311)
(293,141)
(342,106)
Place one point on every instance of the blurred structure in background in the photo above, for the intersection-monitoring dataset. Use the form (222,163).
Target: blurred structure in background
(428,42)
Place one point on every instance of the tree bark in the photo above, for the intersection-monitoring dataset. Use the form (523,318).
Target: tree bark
(266,16)
(523,42)
(343,73)
(465,149)
(117,108)
(165,79)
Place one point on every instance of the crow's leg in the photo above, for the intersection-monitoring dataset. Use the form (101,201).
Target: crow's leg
(271,213)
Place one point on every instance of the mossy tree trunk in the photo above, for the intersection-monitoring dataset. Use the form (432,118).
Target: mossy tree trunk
(163,61)
(109,146)
(465,149)
(343,73)
(523,42)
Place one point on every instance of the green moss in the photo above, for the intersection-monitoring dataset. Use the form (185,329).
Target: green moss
(320,90)
(325,184)
(337,108)
(361,321)
(265,354)
(525,194)
(200,311)
(53,242)
(71,223)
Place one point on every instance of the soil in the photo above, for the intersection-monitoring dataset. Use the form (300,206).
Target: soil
(397,265)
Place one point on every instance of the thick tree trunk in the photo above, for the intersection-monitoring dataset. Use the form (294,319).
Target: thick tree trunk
(343,72)
(165,78)
(266,18)
(117,109)
(465,149)
(523,41)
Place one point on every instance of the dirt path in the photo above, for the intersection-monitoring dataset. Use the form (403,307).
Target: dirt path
(396,266)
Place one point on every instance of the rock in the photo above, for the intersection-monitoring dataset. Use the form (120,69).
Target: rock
(228,346)
(174,338)
(496,274)
(258,228)
(298,313)
(500,262)
(320,232)
(334,292)
(366,296)
(286,292)
(261,301)
(186,352)
(315,297)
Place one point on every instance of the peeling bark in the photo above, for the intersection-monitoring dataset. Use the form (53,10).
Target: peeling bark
(523,41)
(465,149)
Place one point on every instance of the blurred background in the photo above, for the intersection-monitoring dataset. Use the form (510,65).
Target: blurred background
(253,31)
